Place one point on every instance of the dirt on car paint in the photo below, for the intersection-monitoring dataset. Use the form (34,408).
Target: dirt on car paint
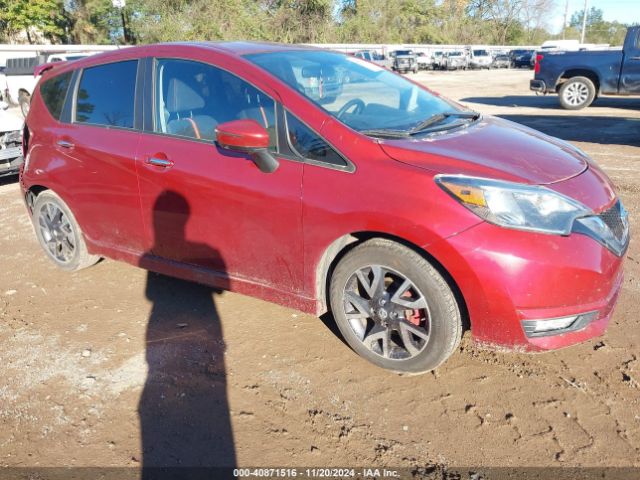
(113,366)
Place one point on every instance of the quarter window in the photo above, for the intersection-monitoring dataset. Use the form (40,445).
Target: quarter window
(106,94)
(309,144)
(54,92)
(192,98)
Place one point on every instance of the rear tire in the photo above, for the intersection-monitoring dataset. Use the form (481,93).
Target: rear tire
(59,234)
(577,93)
(394,308)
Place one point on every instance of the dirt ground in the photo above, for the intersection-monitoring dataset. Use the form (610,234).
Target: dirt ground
(112,366)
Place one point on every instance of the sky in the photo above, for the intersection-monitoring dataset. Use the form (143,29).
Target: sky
(624,11)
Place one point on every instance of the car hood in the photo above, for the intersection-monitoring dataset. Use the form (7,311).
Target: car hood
(494,148)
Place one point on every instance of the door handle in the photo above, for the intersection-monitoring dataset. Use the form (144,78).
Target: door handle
(159,162)
(65,144)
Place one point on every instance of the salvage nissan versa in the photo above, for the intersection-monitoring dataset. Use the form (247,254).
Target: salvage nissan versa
(324,183)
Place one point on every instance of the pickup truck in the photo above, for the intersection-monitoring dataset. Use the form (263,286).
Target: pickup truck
(20,78)
(404,61)
(580,77)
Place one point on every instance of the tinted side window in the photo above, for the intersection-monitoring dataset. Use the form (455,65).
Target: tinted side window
(192,98)
(53,93)
(309,144)
(106,94)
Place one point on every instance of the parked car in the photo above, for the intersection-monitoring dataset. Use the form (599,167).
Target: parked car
(404,61)
(403,213)
(454,60)
(3,83)
(373,56)
(20,78)
(579,77)
(523,59)
(10,142)
(480,58)
(424,61)
(436,58)
(501,61)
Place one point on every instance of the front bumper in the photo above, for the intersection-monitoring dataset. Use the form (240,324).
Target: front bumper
(9,162)
(507,276)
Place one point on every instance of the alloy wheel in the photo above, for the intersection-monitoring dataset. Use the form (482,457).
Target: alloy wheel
(576,94)
(387,312)
(57,232)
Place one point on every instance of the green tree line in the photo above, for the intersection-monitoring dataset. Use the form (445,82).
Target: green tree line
(298,21)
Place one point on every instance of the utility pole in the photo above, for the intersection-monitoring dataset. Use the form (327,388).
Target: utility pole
(584,22)
(564,22)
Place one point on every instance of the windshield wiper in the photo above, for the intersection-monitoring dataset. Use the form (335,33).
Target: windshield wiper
(385,133)
(439,117)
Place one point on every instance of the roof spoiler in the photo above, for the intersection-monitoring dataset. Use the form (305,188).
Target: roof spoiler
(40,69)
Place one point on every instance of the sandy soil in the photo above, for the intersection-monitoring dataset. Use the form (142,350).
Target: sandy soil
(110,366)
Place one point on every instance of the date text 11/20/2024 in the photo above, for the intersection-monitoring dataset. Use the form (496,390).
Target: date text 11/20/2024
(315,473)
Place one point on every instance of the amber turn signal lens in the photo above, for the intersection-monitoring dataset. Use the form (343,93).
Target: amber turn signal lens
(466,193)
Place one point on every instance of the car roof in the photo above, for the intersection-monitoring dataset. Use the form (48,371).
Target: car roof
(237,49)
(244,47)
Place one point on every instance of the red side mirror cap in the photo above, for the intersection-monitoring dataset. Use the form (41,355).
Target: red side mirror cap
(242,135)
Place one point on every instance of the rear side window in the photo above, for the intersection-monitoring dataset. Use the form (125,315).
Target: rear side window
(309,144)
(53,93)
(106,95)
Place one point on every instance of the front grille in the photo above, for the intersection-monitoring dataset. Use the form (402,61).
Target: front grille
(615,220)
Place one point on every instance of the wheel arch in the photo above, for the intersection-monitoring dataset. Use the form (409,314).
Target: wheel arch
(342,245)
(579,72)
(32,192)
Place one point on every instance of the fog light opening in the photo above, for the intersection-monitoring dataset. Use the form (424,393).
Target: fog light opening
(557,326)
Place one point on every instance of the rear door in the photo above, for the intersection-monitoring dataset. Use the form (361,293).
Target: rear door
(99,145)
(630,75)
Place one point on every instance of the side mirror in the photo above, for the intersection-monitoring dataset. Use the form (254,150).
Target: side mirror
(248,136)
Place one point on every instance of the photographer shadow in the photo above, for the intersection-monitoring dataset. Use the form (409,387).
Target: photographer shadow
(184,413)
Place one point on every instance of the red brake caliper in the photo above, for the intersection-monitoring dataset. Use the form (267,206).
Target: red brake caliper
(412,315)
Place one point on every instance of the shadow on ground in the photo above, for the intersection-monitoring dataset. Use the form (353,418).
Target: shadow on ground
(8,179)
(575,126)
(184,412)
(551,101)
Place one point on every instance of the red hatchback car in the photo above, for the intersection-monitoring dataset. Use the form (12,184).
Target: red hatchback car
(324,182)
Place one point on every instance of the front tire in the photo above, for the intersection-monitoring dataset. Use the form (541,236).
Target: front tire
(59,234)
(577,93)
(394,308)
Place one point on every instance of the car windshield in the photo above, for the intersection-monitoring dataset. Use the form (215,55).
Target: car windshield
(403,52)
(455,54)
(480,53)
(361,95)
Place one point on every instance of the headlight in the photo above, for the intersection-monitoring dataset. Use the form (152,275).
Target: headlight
(514,205)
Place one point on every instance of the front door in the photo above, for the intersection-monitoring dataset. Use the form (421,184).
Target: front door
(208,207)
(630,75)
